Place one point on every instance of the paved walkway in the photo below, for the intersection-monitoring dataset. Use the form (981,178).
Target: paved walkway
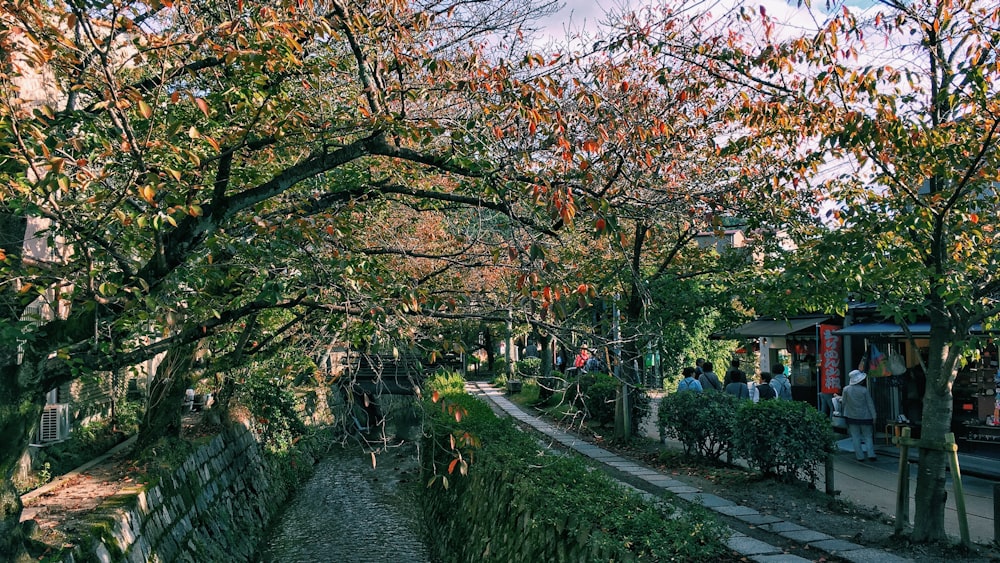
(849,480)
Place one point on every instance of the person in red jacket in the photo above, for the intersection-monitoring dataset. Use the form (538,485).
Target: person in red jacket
(582,357)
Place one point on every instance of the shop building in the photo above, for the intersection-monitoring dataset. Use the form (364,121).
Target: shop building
(818,352)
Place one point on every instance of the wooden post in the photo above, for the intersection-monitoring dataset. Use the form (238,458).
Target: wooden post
(996,513)
(956,483)
(951,450)
(903,484)
(830,470)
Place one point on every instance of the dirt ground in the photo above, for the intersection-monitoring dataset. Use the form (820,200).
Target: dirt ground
(62,509)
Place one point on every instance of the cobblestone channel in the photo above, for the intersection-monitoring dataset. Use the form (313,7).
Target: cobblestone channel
(351,512)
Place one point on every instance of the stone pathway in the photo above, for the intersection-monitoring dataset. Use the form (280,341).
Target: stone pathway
(752,548)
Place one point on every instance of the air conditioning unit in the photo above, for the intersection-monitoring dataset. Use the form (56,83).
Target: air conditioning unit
(54,426)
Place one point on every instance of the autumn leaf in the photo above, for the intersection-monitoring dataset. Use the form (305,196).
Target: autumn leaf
(202,105)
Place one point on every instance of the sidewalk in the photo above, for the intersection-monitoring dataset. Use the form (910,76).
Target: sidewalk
(860,482)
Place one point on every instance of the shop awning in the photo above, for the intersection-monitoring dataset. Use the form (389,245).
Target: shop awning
(774,327)
(892,329)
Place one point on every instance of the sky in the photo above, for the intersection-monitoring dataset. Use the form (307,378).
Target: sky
(578,15)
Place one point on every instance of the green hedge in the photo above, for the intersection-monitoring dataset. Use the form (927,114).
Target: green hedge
(786,439)
(704,423)
(519,503)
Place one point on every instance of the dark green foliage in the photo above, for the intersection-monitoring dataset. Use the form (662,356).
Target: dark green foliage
(639,403)
(529,368)
(90,440)
(788,439)
(273,416)
(599,398)
(519,504)
(703,422)
(499,372)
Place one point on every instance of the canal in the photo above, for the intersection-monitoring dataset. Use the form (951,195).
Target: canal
(351,511)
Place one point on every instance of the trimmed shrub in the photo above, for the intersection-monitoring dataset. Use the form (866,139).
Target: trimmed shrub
(703,422)
(499,372)
(599,399)
(513,504)
(786,439)
(600,392)
(529,368)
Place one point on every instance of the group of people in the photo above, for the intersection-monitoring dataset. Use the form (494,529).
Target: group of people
(585,362)
(702,377)
(854,403)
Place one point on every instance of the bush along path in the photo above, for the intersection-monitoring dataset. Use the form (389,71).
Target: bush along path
(517,502)
(753,535)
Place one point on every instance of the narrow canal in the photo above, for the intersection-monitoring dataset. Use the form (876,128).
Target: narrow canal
(350,511)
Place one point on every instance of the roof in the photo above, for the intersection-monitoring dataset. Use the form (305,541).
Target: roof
(773,327)
(892,329)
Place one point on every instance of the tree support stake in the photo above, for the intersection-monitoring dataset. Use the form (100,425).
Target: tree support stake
(905,442)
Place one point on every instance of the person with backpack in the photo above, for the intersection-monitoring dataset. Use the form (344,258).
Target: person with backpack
(763,391)
(708,379)
(782,387)
(690,381)
(737,385)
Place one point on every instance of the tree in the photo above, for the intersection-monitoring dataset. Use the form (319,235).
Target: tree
(653,189)
(189,163)
(888,120)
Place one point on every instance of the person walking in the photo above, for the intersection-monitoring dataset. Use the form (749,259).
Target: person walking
(690,381)
(581,358)
(737,385)
(859,411)
(734,369)
(782,387)
(762,391)
(709,380)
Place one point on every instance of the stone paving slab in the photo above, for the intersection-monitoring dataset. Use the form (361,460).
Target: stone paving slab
(835,546)
(806,536)
(780,558)
(750,546)
(736,510)
(663,482)
(758,519)
(707,500)
(782,526)
(683,489)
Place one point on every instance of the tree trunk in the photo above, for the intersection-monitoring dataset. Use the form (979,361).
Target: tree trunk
(20,412)
(166,397)
(490,354)
(930,495)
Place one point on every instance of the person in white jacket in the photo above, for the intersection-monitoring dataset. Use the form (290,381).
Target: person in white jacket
(859,411)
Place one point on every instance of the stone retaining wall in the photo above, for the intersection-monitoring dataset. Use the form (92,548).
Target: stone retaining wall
(213,508)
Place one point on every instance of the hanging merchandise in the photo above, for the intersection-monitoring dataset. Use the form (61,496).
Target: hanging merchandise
(878,363)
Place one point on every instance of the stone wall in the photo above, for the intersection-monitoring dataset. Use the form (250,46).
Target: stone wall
(213,508)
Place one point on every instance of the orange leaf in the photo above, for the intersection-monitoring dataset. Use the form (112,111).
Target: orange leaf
(451,466)
(974,218)
(436,396)
(202,105)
